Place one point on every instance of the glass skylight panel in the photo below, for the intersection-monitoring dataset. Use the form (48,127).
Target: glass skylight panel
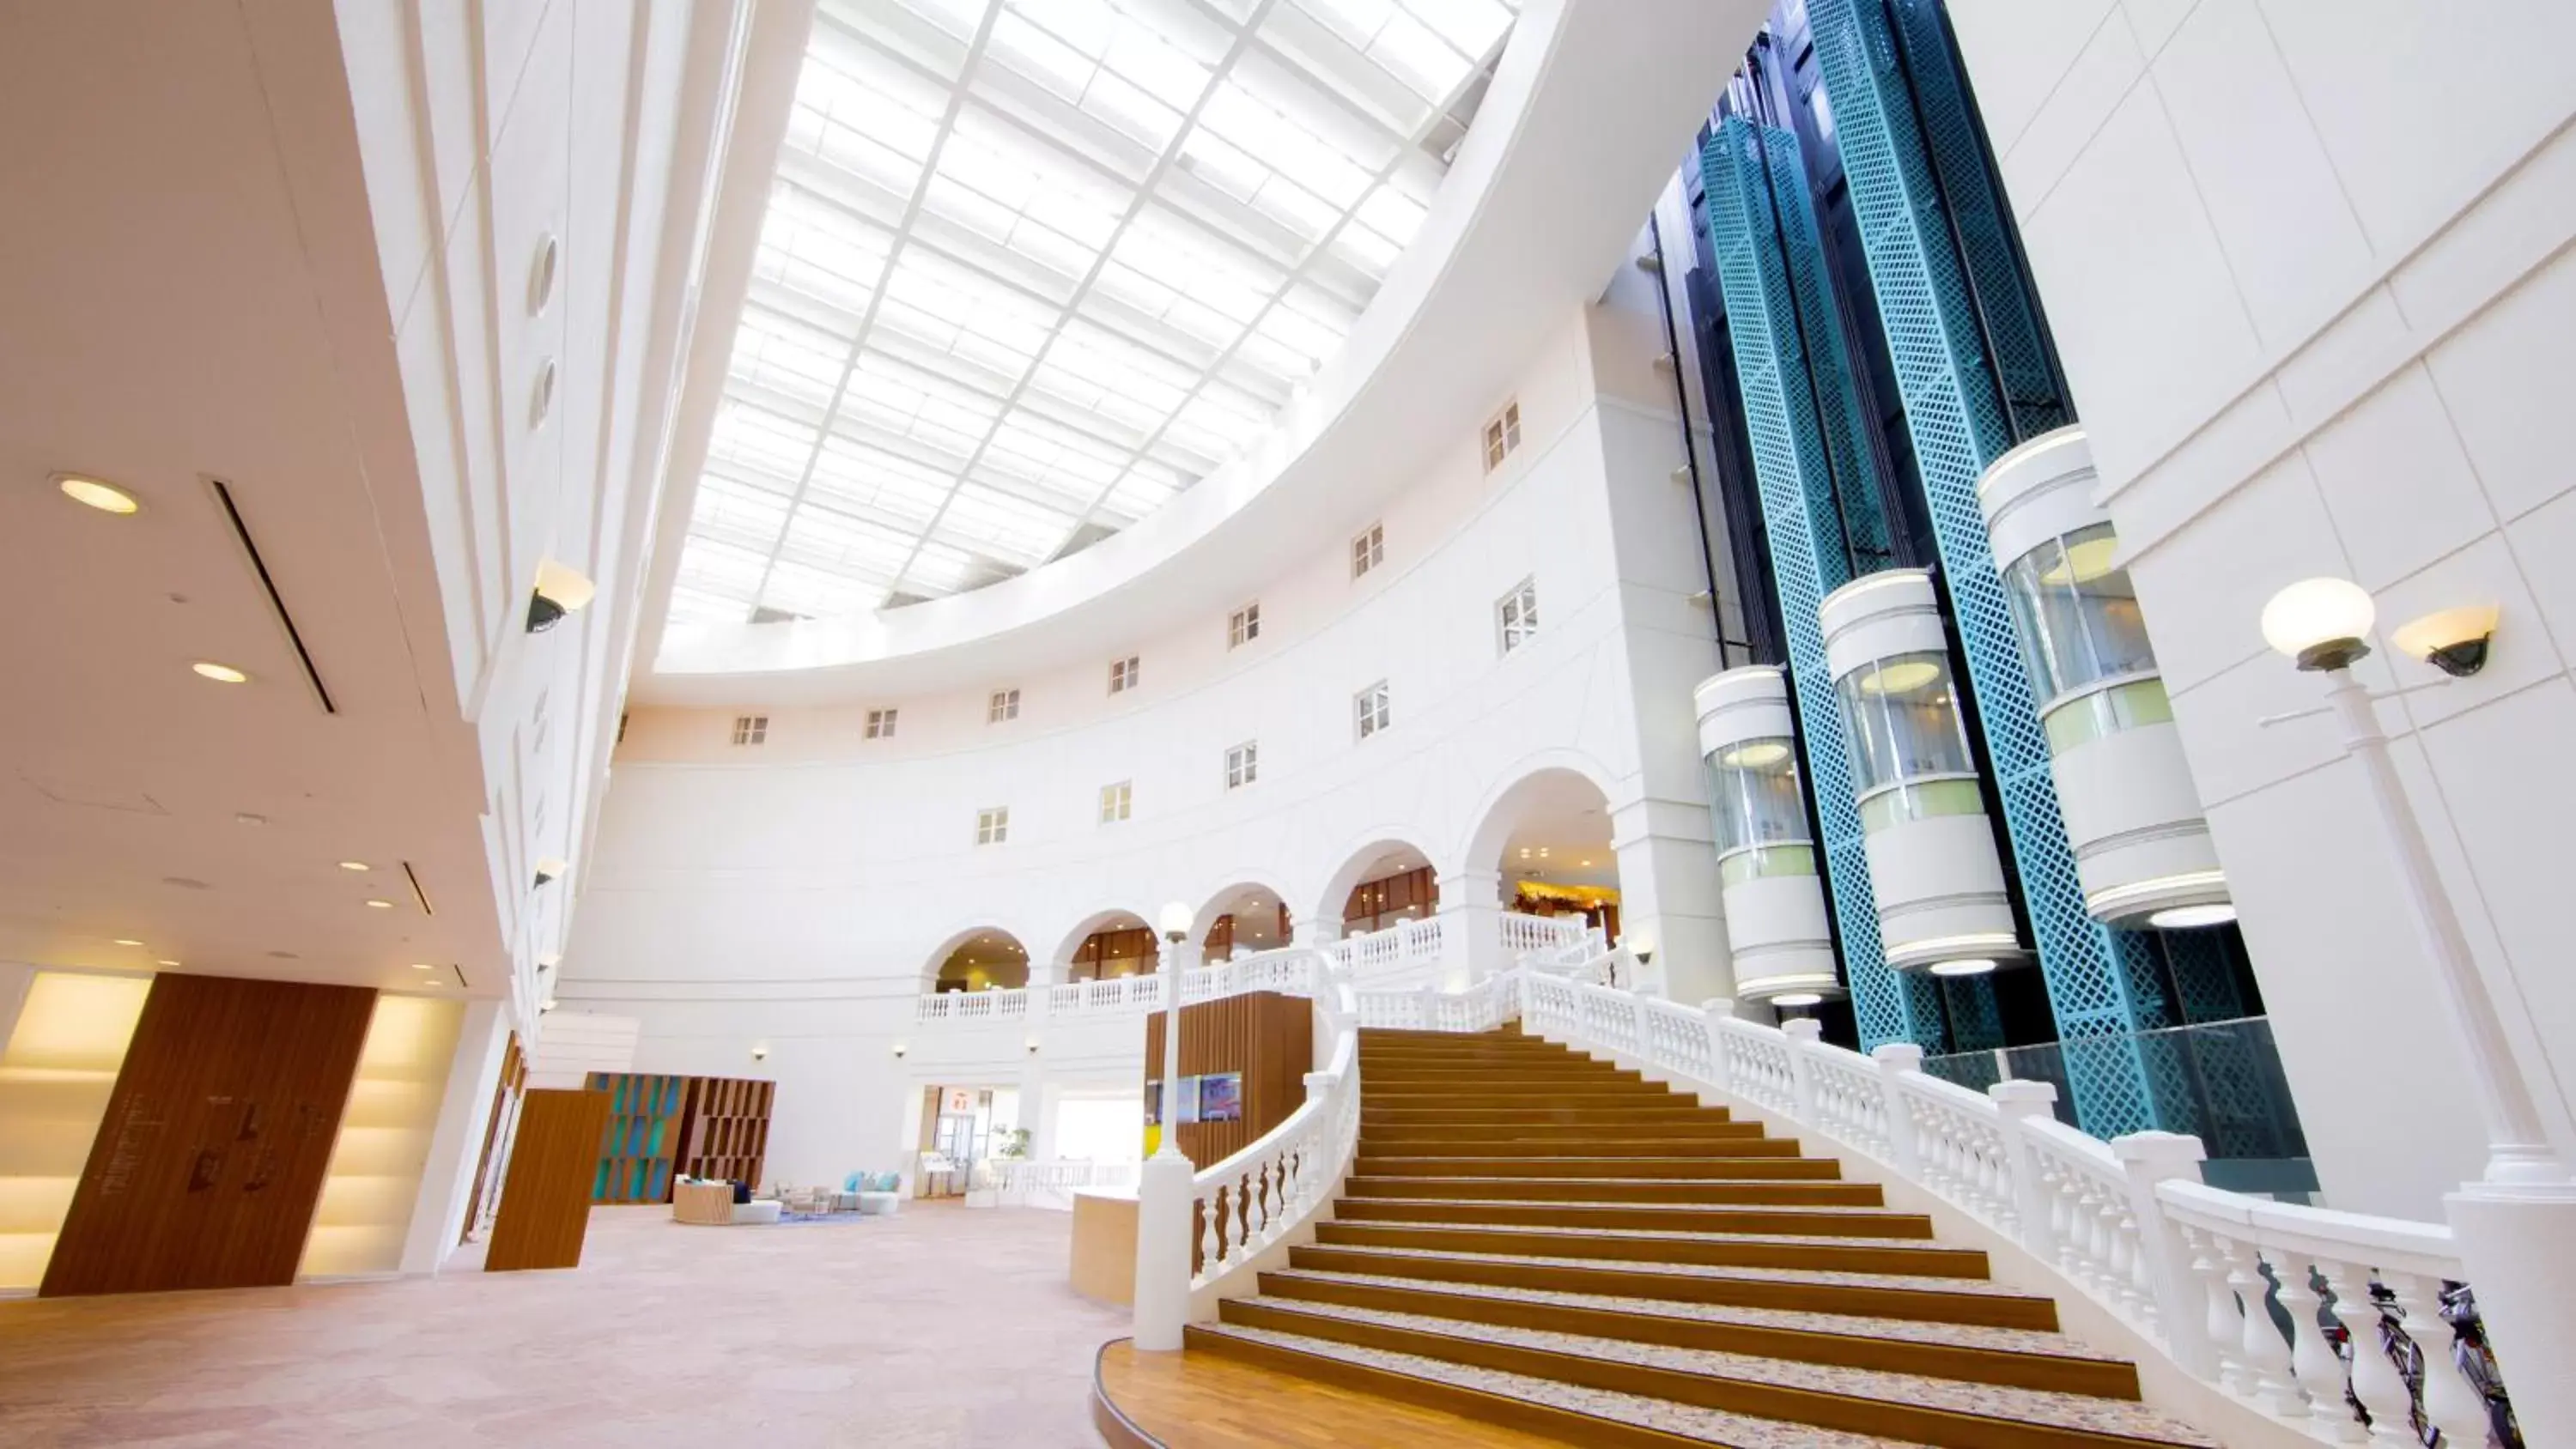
(1030,268)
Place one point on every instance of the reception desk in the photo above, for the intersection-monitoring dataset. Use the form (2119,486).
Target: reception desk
(1104,1243)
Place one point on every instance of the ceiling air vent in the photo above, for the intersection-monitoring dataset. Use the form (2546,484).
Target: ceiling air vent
(268,588)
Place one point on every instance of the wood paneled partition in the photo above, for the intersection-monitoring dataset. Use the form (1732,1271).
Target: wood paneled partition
(1268,1037)
(207,1166)
(545,1200)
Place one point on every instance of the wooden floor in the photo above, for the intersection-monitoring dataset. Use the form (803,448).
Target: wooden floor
(1224,1403)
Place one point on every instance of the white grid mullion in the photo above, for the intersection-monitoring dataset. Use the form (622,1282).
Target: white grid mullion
(885,276)
(1142,197)
(1322,246)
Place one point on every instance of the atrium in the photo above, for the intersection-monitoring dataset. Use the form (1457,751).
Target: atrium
(1189,724)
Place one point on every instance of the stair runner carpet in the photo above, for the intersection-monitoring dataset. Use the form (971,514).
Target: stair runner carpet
(1537,1238)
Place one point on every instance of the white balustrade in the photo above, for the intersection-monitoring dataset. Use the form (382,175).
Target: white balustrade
(1273,1188)
(1019,1182)
(972,1006)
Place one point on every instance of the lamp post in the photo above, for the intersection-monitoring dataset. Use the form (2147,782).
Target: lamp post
(1163,1227)
(2515,1225)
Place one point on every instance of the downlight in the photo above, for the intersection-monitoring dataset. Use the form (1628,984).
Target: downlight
(2186,918)
(1798,998)
(103,496)
(1978,966)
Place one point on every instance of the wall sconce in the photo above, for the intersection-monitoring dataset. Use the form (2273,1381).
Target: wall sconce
(1033,1046)
(2453,641)
(551,869)
(559,591)
(760,1051)
(545,1006)
(1175,921)
(898,1051)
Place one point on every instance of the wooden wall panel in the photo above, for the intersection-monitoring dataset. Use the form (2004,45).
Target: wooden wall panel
(208,1164)
(545,1199)
(1268,1037)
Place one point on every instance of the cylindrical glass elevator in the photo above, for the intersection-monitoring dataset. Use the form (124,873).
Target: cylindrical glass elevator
(1942,905)
(1766,849)
(2142,847)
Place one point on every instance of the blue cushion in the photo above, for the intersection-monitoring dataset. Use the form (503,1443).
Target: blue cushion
(886,1182)
(851,1182)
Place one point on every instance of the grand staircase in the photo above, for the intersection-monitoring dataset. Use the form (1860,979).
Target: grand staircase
(1537,1239)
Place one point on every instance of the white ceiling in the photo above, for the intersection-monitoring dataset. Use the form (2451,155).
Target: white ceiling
(1029,268)
(185,294)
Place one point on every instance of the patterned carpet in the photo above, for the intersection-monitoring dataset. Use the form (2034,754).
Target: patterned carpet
(939,1328)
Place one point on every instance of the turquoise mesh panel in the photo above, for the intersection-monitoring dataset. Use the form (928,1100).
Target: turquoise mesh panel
(2100,984)
(1748,178)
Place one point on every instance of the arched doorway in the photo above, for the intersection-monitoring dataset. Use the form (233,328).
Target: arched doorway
(985,958)
(1110,944)
(1381,884)
(1242,919)
(1548,840)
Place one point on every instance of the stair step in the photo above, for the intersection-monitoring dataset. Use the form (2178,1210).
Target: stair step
(1381,1145)
(1813,1221)
(1568,1113)
(1911,1297)
(1719,1249)
(1464,1079)
(2018,1357)
(1558,1131)
(1390,1164)
(1648,1421)
(1908,1406)
(1617,1189)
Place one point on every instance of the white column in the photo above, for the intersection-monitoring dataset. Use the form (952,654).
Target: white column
(1471,928)
(1164,1187)
(456,1142)
(1668,895)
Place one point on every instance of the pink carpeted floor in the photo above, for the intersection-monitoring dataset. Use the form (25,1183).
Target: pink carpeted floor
(939,1327)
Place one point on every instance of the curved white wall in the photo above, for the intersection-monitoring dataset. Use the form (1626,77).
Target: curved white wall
(792,895)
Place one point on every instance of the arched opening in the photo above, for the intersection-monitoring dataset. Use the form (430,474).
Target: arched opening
(1242,919)
(1382,884)
(1109,945)
(986,958)
(1548,839)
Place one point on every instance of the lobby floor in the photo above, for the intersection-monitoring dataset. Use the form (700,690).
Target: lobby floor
(938,1327)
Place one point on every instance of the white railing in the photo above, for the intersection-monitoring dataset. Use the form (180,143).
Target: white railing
(1481,1007)
(1113,996)
(1022,1183)
(2195,1270)
(1523,934)
(972,1006)
(1260,1196)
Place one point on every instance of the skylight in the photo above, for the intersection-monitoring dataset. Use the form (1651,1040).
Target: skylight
(1030,268)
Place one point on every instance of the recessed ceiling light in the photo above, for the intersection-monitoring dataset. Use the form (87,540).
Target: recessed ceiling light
(127,941)
(185,883)
(105,497)
(381,905)
(2185,918)
(245,817)
(355,865)
(422,966)
(1797,998)
(284,956)
(220,673)
(1976,967)
(169,963)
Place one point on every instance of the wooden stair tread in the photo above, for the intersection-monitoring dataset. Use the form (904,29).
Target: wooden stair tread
(1682,1235)
(2116,1419)
(1697,1425)
(2024,1341)
(1649,1269)
(1672,1169)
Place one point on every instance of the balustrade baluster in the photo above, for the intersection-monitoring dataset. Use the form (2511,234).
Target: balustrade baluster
(2266,1355)
(2318,1368)
(2370,1372)
(2451,1403)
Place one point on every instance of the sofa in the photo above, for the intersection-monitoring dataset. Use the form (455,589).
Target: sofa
(713,1203)
(878,1194)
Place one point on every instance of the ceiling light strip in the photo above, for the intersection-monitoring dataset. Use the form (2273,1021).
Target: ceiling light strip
(417,893)
(276,602)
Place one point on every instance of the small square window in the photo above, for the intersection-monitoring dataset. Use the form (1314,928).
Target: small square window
(1122,674)
(1516,617)
(1114,801)
(748,729)
(880,724)
(1242,764)
(1372,707)
(1005,706)
(1368,550)
(993,827)
(1243,626)
(1503,435)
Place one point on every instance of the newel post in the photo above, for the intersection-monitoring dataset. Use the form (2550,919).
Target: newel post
(1719,1010)
(2148,1158)
(2019,1102)
(1895,1059)
(1802,1032)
